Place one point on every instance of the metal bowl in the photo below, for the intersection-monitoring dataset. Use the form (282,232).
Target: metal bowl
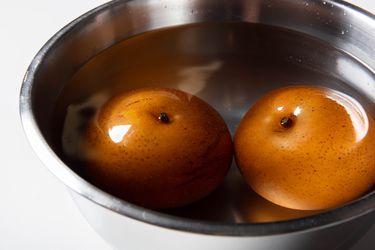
(327,43)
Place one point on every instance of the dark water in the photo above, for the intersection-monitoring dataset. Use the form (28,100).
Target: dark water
(229,66)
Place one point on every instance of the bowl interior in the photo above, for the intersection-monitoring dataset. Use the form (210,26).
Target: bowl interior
(229,54)
(229,65)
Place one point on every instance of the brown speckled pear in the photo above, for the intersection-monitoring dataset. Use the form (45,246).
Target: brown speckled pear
(307,148)
(157,147)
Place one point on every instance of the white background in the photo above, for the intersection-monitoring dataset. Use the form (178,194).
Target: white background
(36,211)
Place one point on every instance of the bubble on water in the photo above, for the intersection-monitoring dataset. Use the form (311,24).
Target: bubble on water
(324,2)
(342,32)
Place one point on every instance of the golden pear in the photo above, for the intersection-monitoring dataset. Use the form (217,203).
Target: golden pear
(307,148)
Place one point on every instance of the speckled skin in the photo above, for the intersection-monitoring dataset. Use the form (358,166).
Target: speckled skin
(157,164)
(325,159)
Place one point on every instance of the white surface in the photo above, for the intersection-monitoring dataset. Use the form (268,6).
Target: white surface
(36,211)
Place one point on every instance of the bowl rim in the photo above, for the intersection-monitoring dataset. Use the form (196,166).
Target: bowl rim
(350,211)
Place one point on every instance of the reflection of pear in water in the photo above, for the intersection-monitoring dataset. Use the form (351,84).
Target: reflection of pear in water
(157,147)
(235,202)
(251,207)
(307,148)
(194,78)
(75,119)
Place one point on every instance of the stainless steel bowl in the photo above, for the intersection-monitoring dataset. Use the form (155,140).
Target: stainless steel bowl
(339,52)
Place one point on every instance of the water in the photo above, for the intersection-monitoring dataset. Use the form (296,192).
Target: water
(229,65)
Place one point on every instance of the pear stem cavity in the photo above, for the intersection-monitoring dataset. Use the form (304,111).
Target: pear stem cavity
(286,122)
(163,117)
